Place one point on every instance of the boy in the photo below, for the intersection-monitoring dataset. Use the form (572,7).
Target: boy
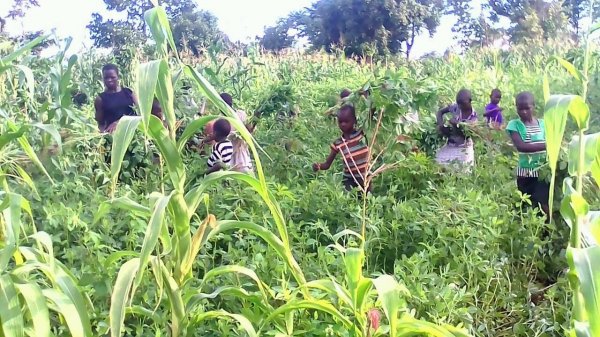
(354,150)
(493,112)
(529,138)
(222,150)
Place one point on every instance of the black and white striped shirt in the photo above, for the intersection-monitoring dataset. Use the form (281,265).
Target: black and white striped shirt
(221,153)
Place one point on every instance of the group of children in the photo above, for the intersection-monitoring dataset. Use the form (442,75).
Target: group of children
(230,151)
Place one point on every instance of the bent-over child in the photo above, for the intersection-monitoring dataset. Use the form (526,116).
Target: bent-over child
(353,147)
(459,147)
(222,149)
(529,138)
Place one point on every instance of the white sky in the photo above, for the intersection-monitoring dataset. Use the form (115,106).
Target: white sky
(239,19)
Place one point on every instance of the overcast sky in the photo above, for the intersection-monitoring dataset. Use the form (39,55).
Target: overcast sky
(239,19)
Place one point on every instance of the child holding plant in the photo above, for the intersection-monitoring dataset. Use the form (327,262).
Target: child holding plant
(493,111)
(354,150)
(241,160)
(529,138)
(459,148)
(222,150)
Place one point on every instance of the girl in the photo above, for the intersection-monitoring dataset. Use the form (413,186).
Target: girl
(459,148)
(354,150)
(116,101)
(529,138)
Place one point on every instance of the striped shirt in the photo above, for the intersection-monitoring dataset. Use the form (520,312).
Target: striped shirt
(355,154)
(221,153)
(529,162)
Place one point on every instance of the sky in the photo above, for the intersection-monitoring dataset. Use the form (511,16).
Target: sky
(239,19)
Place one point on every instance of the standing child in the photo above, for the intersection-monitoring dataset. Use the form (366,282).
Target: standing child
(459,148)
(493,111)
(354,150)
(529,138)
(241,160)
(222,150)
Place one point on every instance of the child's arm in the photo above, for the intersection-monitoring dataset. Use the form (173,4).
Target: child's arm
(492,111)
(217,167)
(327,164)
(521,146)
(440,121)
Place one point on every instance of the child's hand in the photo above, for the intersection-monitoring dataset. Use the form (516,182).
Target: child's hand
(316,167)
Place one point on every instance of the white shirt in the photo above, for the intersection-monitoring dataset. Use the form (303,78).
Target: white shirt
(241,160)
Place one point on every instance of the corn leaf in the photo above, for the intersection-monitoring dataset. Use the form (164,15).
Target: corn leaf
(156,18)
(146,86)
(218,271)
(192,129)
(318,305)
(121,140)
(390,294)
(36,305)
(591,152)
(63,305)
(243,322)
(569,67)
(585,263)
(166,96)
(120,295)
(10,309)
(168,150)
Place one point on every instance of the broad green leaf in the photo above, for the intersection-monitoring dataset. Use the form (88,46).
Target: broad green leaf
(12,218)
(555,118)
(192,129)
(63,305)
(36,305)
(390,294)
(10,309)
(168,150)
(318,305)
(157,20)
(241,320)
(51,130)
(591,152)
(121,140)
(570,68)
(353,260)
(234,269)
(573,209)
(124,203)
(146,86)
(26,48)
(29,79)
(412,327)
(120,295)
(178,314)
(27,180)
(29,150)
(595,169)
(151,237)
(332,288)
(198,240)
(166,96)
(8,137)
(45,240)
(586,266)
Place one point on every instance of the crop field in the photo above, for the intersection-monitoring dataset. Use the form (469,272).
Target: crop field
(122,235)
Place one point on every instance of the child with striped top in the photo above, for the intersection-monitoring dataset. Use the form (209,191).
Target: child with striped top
(222,149)
(529,138)
(354,150)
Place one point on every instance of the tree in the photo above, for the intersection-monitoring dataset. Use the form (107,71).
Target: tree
(20,7)
(190,25)
(387,26)
(278,37)
(197,30)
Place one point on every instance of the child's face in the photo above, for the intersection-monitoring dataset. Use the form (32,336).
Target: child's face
(346,122)
(464,102)
(495,97)
(111,79)
(525,108)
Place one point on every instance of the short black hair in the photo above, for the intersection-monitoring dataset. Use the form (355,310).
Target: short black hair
(496,91)
(345,93)
(110,66)
(221,128)
(525,95)
(462,93)
(349,109)
(227,98)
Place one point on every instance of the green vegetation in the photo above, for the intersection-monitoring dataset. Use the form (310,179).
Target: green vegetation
(97,239)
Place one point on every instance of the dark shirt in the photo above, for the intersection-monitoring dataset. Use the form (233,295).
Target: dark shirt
(116,105)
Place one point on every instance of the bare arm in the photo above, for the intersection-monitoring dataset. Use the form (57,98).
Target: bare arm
(217,167)
(327,164)
(521,146)
(445,131)
(99,113)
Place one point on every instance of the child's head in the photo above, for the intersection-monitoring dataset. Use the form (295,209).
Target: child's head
(345,93)
(463,100)
(110,76)
(221,129)
(346,118)
(525,104)
(495,96)
(227,98)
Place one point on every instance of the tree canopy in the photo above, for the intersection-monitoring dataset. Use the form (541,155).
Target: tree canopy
(192,27)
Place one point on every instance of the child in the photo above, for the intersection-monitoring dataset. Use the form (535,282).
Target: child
(241,160)
(529,138)
(493,112)
(459,148)
(354,150)
(222,150)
